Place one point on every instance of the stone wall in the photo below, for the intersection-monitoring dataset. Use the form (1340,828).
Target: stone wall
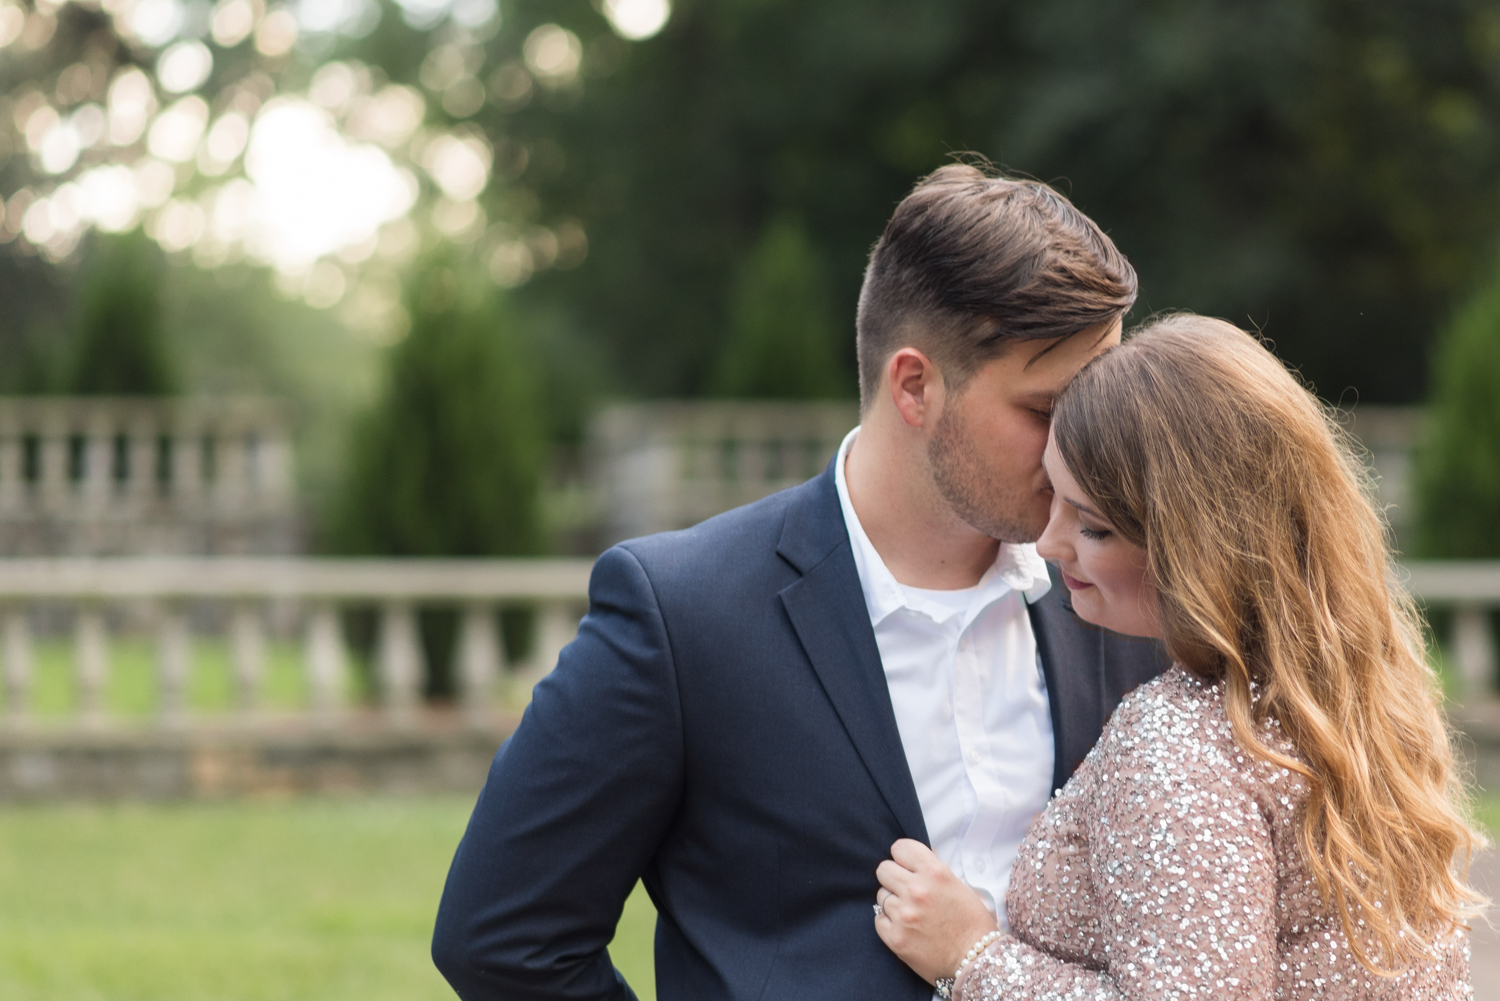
(439,756)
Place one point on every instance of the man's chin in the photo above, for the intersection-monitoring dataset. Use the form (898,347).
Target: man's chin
(1013,532)
(1021,531)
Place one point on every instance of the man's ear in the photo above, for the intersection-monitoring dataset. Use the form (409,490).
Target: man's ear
(915,385)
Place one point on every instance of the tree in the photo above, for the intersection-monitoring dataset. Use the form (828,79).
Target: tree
(117,347)
(1458,467)
(1322,169)
(782,338)
(449,461)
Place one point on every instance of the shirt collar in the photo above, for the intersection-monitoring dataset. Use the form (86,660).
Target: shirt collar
(1017,567)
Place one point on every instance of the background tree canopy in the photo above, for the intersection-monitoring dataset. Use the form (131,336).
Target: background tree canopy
(689,214)
(1321,170)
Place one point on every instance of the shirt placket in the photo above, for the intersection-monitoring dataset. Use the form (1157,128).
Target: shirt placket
(968,719)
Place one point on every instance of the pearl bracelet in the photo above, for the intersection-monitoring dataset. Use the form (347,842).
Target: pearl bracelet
(945,985)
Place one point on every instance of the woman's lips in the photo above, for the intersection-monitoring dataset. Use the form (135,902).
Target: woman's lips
(1073,583)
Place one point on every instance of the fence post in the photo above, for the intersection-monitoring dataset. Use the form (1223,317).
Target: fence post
(478,662)
(12,494)
(399,661)
(247,640)
(18,666)
(325,661)
(90,662)
(557,625)
(174,659)
(1474,652)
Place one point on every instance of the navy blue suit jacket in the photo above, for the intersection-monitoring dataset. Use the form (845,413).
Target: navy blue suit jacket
(721,728)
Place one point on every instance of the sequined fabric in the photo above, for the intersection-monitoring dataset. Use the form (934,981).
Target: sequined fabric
(1168,868)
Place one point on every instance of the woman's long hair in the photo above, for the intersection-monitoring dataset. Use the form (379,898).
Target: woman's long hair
(1273,574)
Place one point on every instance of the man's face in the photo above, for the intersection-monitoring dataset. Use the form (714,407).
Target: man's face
(986,450)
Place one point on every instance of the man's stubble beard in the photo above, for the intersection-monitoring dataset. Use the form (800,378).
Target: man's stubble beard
(980,497)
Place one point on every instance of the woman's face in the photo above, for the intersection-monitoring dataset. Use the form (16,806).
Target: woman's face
(1105,573)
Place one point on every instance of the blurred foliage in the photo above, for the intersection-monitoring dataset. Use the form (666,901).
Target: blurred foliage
(118,347)
(1458,467)
(35,294)
(449,461)
(783,340)
(690,214)
(232,334)
(1322,170)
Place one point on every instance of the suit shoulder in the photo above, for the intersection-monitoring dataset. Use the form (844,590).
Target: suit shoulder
(751,530)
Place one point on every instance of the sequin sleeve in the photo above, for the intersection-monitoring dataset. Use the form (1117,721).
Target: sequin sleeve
(1181,875)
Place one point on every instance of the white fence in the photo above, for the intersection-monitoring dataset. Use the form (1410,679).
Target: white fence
(320,589)
(1470,590)
(672,463)
(94,476)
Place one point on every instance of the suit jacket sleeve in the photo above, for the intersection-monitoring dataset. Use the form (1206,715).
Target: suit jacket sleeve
(575,806)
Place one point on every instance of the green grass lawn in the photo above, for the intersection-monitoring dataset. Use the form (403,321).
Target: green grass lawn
(301,900)
(295,900)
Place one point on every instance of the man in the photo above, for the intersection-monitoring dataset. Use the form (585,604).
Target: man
(756,708)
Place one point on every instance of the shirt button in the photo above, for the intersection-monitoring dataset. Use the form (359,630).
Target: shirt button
(974,756)
(979,864)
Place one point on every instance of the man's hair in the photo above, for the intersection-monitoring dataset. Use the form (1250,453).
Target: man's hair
(973,261)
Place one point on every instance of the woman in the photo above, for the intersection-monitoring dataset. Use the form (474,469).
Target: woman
(1276,816)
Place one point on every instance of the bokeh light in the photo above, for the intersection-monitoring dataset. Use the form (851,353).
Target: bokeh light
(233,21)
(219,160)
(277,33)
(12,21)
(315,191)
(184,67)
(553,53)
(637,19)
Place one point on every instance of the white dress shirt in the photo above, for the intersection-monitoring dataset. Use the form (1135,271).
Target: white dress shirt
(970,701)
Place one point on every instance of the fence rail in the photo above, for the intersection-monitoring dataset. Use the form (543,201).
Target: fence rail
(1470,590)
(317,591)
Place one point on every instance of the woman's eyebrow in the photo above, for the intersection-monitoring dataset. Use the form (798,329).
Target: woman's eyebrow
(1044,400)
(1085,508)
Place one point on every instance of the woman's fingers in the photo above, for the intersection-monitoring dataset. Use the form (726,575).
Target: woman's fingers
(913,855)
(894,877)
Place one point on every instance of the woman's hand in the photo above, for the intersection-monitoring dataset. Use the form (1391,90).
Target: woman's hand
(928,917)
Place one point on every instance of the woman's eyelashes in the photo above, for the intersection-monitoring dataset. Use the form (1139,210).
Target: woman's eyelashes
(1093,533)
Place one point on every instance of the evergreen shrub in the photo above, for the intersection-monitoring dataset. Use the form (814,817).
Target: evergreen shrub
(1458,465)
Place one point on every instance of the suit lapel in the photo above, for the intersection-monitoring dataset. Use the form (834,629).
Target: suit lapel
(827,610)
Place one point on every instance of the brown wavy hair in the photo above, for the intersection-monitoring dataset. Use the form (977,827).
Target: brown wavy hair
(1274,575)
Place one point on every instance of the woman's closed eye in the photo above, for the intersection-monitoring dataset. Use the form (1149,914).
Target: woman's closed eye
(1093,533)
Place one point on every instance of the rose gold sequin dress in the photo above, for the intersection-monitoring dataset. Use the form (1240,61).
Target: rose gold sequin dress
(1168,868)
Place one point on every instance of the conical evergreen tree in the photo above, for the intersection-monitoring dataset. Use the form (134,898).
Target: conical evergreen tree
(117,346)
(1458,467)
(783,341)
(449,462)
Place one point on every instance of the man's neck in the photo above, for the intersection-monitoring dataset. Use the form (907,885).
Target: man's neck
(918,536)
